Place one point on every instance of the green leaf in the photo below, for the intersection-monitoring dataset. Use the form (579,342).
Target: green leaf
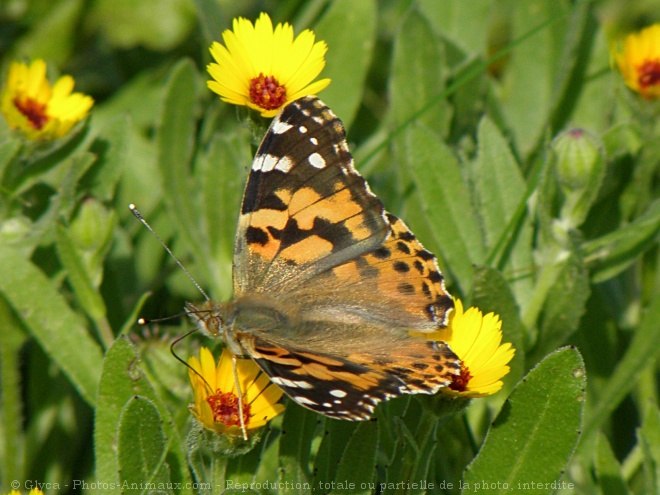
(331,450)
(115,389)
(122,380)
(153,24)
(60,332)
(500,188)
(417,75)
(446,199)
(398,451)
(244,469)
(565,303)
(12,462)
(51,37)
(649,437)
(491,293)
(65,178)
(208,460)
(612,253)
(141,447)
(608,469)
(112,146)
(576,51)
(642,350)
(412,453)
(211,19)
(87,295)
(8,150)
(466,23)
(138,97)
(175,148)
(349,29)
(357,467)
(176,141)
(536,432)
(415,449)
(222,176)
(533,65)
(298,427)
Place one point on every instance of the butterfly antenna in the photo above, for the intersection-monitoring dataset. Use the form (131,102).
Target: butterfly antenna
(239,392)
(178,358)
(139,216)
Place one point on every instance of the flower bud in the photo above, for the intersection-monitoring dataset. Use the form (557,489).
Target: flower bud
(91,231)
(580,168)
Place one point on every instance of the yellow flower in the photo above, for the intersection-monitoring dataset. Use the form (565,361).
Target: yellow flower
(40,111)
(639,61)
(476,340)
(216,403)
(33,491)
(264,68)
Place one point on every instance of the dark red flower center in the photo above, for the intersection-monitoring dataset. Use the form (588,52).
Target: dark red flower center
(460,382)
(33,110)
(225,409)
(649,74)
(266,92)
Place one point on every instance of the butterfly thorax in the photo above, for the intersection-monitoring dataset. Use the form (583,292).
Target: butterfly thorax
(250,314)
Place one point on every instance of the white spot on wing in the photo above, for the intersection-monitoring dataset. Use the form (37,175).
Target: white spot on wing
(302,129)
(278,380)
(338,393)
(314,141)
(305,401)
(264,163)
(316,160)
(284,165)
(279,127)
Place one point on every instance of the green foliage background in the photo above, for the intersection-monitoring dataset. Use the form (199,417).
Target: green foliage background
(452,109)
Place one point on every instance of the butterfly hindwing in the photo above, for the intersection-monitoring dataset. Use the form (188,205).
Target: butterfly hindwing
(350,388)
(405,278)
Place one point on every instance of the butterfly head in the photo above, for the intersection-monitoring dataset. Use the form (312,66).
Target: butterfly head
(207,317)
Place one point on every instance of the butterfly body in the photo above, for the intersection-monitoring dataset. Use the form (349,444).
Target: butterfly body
(327,284)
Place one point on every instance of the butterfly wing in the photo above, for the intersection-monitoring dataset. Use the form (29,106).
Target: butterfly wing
(305,208)
(351,387)
(329,285)
(313,235)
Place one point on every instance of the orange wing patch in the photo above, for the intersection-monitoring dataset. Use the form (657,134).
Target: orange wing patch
(405,273)
(309,228)
(424,366)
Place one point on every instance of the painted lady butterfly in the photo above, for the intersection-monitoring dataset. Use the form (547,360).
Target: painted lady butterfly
(327,284)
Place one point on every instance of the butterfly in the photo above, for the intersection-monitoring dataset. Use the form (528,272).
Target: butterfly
(327,284)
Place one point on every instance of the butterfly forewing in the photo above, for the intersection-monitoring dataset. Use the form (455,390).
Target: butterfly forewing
(304,206)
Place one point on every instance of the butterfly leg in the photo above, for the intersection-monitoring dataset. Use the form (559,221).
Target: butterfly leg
(239,393)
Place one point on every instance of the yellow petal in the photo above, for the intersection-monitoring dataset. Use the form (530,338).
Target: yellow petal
(476,340)
(31,106)
(638,60)
(251,50)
